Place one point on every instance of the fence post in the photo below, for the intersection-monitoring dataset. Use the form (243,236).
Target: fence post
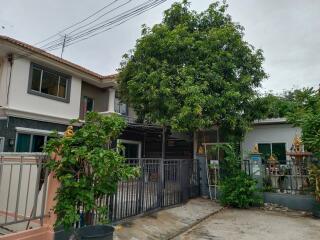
(141,186)
(164,132)
(53,185)
(161,190)
(180,180)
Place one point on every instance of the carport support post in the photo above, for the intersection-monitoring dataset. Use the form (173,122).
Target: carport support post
(163,156)
(163,148)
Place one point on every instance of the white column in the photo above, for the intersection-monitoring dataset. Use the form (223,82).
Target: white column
(112,96)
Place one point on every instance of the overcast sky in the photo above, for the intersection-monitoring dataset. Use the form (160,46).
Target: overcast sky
(288,31)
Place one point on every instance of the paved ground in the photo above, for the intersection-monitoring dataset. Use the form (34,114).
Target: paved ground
(167,223)
(14,227)
(231,224)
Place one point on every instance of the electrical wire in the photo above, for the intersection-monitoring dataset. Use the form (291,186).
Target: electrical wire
(77,23)
(59,41)
(106,24)
(78,35)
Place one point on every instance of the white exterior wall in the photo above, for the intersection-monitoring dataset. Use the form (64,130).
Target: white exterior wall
(20,99)
(4,77)
(274,133)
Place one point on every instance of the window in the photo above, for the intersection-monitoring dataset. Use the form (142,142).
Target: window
(132,149)
(37,143)
(277,149)
(29,142)
(120,107)
(49,83)
(23,143)
(88,104)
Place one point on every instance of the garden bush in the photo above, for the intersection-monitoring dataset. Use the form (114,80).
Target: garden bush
(87,168)
(239,191)
(237,188)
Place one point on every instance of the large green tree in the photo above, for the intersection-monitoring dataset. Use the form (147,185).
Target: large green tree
(286,103)
(305,113)
(193,70)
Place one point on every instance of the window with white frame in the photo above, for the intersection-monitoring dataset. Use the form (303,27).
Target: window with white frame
(49,83)
(31,140)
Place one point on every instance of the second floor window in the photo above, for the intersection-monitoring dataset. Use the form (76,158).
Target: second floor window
(120,107)
(49,83)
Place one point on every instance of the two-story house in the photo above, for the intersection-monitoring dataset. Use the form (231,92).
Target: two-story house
(40,92)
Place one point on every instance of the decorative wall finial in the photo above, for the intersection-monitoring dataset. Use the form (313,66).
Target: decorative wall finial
(297,144)
(255,149)
(69,132)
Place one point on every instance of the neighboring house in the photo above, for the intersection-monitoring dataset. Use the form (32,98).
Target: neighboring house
(40,92)
(273,136)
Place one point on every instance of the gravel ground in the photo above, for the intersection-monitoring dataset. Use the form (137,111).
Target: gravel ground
(253,224)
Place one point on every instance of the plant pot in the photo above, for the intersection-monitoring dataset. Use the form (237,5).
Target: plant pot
(97,232)
(316,209)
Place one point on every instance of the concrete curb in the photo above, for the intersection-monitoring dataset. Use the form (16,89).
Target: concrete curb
(187,228)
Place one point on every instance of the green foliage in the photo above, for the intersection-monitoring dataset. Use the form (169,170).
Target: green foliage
(286,103)
(267,185)
(192,71)
(231,163)
(306,114)
(302,108)
(237,188)
(239,191)
(88,168)
(314,176)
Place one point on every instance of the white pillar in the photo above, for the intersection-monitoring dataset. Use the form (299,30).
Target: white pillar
(112,96)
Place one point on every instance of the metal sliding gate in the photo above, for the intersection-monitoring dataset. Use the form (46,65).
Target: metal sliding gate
(23,191)
(162,183)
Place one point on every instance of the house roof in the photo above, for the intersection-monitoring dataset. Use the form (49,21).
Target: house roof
(270,121)
(34,50)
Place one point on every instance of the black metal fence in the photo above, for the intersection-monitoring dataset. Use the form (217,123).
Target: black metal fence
(289,178)
(162,183)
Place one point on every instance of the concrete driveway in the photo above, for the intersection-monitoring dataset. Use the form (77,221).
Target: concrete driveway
(167,223)
(255,224)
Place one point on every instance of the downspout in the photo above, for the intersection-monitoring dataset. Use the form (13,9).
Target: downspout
(10,60)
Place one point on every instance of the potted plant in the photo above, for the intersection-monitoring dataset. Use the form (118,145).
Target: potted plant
(314,176)
(88,170)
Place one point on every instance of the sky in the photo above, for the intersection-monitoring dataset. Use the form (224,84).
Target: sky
(288,31)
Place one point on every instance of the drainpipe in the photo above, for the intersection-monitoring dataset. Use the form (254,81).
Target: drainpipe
(10,60)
